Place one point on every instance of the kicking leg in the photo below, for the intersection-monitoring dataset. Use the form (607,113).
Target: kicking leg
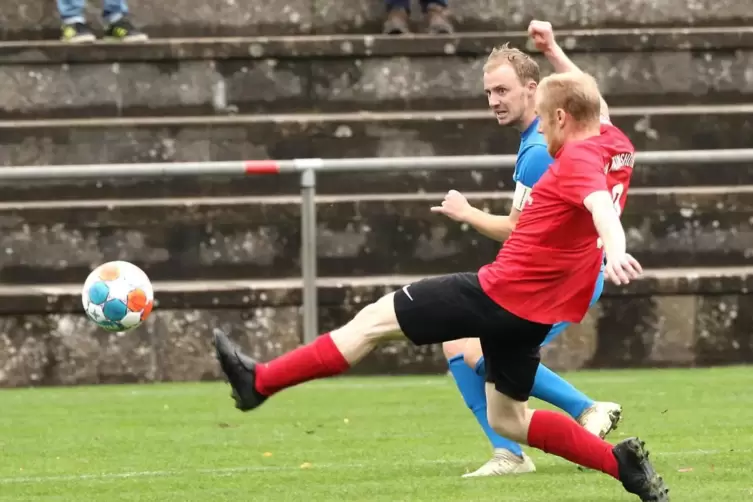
(426,312)
(508,458)
(330,354)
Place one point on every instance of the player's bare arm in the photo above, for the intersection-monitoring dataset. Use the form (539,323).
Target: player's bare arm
(456,207)
(542,34)
(621,268)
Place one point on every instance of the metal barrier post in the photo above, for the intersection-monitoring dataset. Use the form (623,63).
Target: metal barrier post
(308,253)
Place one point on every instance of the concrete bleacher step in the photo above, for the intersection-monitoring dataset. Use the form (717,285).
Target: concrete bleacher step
(671,317)
(367,234)
(254,75)
(38,18)
(386,134)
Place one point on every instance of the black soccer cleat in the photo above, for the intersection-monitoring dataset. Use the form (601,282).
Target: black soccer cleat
(240,371)
(636,472)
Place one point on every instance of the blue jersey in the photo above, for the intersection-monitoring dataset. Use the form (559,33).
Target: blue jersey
(533,157)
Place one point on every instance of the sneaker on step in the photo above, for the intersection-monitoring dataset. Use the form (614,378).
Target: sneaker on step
(76,33)
(601,418)
(438,20)
(125,31)
(397,22)
(504,462)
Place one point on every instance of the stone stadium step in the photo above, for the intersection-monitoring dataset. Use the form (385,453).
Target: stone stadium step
(671,317)
(338,135)
(346,73)
(39,19)
(358,234)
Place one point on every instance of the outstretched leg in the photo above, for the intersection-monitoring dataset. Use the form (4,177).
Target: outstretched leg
(426,312)
(330,354)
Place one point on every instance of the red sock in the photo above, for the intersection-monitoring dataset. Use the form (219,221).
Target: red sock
(319,359)
(562,436)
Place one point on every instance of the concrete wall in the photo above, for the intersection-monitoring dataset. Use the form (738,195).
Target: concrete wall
(38,18)
(683,318)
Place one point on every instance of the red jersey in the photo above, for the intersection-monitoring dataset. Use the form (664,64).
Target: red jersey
(546,271)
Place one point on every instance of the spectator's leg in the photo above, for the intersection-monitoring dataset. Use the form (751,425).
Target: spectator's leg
(398,14)
(74,28)
(437,16)
(119,27)
(114,10)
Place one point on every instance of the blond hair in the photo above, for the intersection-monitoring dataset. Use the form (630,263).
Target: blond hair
(525,67)
(575,93)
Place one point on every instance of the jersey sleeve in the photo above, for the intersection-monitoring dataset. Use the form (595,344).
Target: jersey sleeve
(580,173)
(531,166)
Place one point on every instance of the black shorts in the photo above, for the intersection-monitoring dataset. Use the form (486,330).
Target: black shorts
(454,306)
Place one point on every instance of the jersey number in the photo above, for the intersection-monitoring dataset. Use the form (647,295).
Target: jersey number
(617,192)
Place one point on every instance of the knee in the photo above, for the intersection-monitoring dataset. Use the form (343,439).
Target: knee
(472,353)
(453,348)
(374,322)
(471,359)
(364,323)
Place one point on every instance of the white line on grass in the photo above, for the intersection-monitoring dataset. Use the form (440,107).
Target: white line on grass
(226,471)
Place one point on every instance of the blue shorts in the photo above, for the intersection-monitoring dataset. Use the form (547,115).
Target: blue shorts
(558,328)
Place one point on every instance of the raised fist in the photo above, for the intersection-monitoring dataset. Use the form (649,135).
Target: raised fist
(542,35)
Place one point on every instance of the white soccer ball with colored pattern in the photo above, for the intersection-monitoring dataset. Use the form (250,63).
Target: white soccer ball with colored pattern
(117,296)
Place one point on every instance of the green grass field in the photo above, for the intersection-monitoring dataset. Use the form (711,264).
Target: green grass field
(354,439)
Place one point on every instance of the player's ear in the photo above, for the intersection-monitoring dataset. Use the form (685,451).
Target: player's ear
(560,116)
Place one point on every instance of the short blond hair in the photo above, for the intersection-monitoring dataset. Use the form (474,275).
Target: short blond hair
(575,93)
(525,67)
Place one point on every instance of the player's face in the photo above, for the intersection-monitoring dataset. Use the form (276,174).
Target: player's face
(551,125)
(509,99)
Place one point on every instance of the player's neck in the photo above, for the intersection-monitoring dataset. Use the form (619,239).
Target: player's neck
(582,134)
(526,121)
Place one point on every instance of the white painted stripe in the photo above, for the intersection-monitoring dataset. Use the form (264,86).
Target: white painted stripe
(284,468)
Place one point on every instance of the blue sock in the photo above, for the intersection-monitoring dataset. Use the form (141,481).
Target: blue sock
(554,389)
(471,385)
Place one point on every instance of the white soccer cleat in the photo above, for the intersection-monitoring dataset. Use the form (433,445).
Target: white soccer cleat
(601,418)
(504,462)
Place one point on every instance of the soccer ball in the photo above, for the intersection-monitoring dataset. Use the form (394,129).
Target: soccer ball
(117,296)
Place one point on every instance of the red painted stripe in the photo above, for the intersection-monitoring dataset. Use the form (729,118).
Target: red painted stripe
(261,167)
